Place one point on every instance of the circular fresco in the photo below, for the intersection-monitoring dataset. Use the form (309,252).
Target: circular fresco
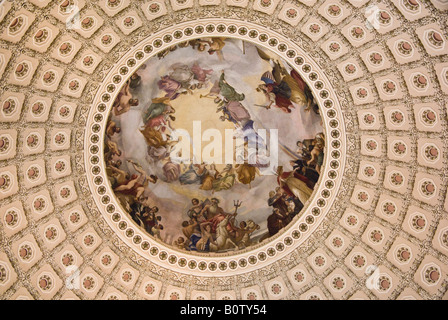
(102,145)
(214,145)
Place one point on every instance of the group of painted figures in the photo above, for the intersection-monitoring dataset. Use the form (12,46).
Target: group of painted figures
(208,227)
(295,187)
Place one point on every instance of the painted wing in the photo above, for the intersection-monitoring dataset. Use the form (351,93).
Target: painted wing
(263,55)
(220,55)
(276,66)
(297,94)
(277,72)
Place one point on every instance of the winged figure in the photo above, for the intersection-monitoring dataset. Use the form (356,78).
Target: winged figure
(281,87)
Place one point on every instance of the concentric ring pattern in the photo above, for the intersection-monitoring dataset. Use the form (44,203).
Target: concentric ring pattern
(377,226)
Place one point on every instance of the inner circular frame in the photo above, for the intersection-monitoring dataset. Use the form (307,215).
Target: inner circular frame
(266,252)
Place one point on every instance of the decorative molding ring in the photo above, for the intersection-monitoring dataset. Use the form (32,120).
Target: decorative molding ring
(258,255)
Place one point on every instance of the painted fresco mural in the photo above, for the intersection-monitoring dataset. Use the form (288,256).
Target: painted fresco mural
(214,145)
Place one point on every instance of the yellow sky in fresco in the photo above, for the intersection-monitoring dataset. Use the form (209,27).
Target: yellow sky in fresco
(191,107)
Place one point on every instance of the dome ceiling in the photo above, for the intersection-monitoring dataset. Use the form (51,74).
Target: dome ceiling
(375,225)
